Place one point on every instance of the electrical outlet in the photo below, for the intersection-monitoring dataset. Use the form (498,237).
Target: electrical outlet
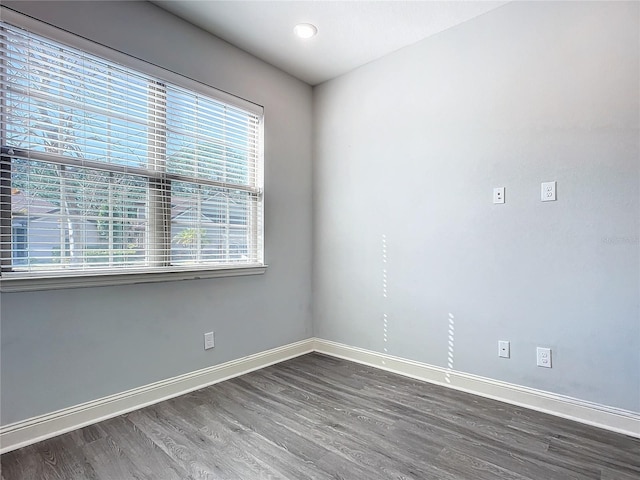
(544,357)
(208,341)
(503,349)
(498,195)
(548,191)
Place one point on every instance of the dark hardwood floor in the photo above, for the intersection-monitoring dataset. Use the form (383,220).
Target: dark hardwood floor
(317,417)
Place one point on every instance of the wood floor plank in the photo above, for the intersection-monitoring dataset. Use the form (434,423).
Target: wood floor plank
(355,429)
(63,459)
(318,418)
(465,465)
(144,455)
(608,474)
(19,463)
(108,460)
(587,452)
(187,449)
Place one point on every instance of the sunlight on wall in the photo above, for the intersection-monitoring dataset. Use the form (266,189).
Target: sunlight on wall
(452,331)
(384,294)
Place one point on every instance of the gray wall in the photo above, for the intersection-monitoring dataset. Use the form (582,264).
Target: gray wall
(60,348)
(410,147)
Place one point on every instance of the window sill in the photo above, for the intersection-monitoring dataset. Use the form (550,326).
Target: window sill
(16,282)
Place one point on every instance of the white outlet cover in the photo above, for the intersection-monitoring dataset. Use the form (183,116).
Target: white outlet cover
(543,357)
(498,195)
(548,191)
(504,349)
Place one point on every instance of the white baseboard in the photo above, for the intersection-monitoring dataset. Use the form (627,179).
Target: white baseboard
(610,418)
(32,430)
(40,428)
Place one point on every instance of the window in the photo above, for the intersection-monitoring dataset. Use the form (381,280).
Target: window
(107,169)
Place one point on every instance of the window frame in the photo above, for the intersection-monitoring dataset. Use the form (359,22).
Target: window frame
(11,281)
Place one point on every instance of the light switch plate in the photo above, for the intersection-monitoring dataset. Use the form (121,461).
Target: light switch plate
(208,341)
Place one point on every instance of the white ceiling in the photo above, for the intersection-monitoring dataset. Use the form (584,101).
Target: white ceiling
(350,33)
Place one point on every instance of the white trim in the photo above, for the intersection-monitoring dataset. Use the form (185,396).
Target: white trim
(609,418)
(36,429)
(29,283)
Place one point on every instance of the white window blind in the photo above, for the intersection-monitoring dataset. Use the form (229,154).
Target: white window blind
(109,169)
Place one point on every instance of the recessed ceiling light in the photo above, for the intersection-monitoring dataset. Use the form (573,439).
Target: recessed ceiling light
(305,30)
